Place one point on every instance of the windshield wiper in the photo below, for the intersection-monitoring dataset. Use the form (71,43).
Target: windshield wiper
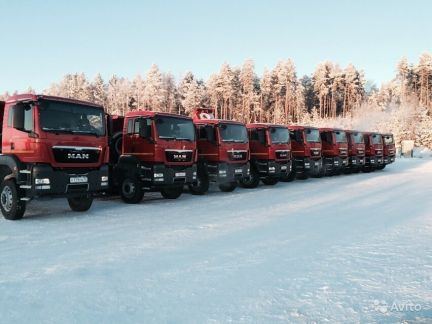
(168,138)
(58,131)
(183,139)
(87,132)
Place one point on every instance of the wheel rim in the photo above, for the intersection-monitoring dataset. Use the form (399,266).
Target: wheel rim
(7,198)
(128,188)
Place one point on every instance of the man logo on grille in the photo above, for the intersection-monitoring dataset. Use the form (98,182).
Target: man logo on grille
(78,156)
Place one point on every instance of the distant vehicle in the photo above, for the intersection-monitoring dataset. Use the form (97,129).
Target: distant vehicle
(374,151)
(54,147)
(356,151)
(270,154)
(152,151)
(389,150)
(223,152)
(306,152)
(334,150)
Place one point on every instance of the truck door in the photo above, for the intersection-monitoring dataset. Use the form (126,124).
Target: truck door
(134,144)
(258,143)
(19,137)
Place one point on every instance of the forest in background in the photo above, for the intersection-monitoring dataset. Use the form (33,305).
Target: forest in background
(332,96)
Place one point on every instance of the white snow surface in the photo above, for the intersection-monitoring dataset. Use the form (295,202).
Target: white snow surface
(341,249)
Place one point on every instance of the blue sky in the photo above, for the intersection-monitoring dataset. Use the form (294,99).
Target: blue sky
(43,40)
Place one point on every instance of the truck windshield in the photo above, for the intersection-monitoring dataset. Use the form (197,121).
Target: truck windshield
(376,139)
(312,135)
(388,139)
(357,138)
(66,117)
(279,135)
(233,133)
(340,137)
(173,128)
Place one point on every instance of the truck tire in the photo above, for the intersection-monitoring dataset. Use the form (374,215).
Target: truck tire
(228,186)
(202,185)
(115,146)
(303,176)
(270,181)
(131,191)
(381,167)
(171,192)
(288,177)
(80,204)
(252,181)
(11,206)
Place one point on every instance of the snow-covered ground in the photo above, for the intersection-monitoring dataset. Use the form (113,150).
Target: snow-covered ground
(343,249)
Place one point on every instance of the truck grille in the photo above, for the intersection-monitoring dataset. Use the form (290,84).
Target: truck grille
(237,155)
(282,155)
(76,154)
(178,155)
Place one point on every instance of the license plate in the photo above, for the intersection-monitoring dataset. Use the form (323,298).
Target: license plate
(238,170)
(283,167)
(316,164)
(81,179)
(180,174)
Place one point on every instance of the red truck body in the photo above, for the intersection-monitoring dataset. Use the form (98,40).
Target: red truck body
(374,150)
(223,152)
(52,146)
(158,153)
(270,154)
(389,146)
(306,151)
(356,150)
(334,150)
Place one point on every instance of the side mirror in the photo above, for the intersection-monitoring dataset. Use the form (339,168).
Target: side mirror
(144,129)
(18,116)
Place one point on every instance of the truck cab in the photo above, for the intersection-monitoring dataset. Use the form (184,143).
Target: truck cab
(306,152)
(334,150)
(223,152)
(270,151)
(356,151)
(374,151)
(158,153)
(389,149)
(51,147)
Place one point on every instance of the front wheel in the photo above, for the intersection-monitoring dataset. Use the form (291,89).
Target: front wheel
(381,167)
(131,191)
(202,185)
(80,204)
(270,181)
(171,192)
(251,181)
(11,206)
(228,187)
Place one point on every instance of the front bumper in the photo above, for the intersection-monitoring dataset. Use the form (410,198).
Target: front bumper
(160,175)
(308,166)
(45,181)
(274,169)
(228,172)
(356,161)
(389,159)
(335,163)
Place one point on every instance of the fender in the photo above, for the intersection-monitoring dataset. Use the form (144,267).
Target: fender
(12,163)
(126,165)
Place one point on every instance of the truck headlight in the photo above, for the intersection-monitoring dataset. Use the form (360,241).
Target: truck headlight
(158,175)
(104,178)
(40,181)
(222,173)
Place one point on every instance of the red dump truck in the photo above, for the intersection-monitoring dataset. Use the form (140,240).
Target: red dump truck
(51,147)
(356,151)
(306,152)
(158,153)
(374,151)
(270,154)
(389,153)
(223,152)
(334,150)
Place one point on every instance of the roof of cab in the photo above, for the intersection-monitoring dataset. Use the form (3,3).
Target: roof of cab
(264,125)
(293,127)
(216,121)
(146,113)
(35,97)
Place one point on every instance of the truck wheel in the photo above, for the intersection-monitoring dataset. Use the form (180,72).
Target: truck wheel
(11,206)
(80,204)
(131,191)
(202,185)
(228,187)
(270,181)
(302,176)
(288,177)
(171,192)
(116,147)
(381,167)
(252,181)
